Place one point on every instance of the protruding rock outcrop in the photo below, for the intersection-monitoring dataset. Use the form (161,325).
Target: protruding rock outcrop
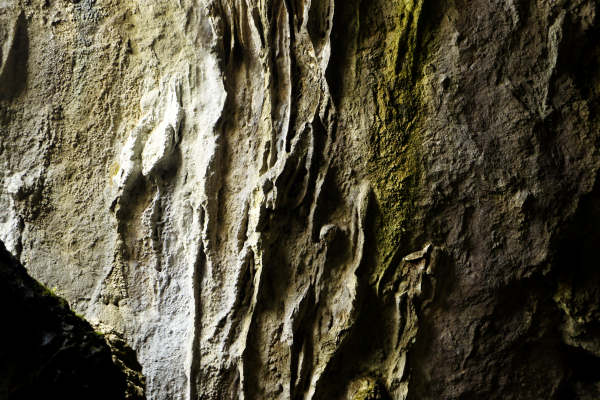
(48,352)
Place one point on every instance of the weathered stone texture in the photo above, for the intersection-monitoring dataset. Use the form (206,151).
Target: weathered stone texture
(49,352)
(314,198)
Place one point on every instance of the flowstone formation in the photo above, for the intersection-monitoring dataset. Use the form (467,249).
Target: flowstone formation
(314,199)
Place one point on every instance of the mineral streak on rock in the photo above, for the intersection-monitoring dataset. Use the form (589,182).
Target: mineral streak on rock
(314,199)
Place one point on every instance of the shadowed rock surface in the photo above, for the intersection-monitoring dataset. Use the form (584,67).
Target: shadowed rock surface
(314,199)
(47,352)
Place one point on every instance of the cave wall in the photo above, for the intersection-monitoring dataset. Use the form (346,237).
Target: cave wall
(49,352)
(314,198)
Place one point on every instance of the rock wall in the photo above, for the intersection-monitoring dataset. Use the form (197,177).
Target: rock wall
(47,351)
(314,198)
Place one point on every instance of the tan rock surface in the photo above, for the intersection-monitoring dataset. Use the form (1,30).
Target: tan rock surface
(313,199)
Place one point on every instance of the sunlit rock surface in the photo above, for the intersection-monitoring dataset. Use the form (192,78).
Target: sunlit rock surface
(314,199)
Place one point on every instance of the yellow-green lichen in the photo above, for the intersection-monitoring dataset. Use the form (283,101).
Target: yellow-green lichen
(395,141)
(369,389)
(45,291)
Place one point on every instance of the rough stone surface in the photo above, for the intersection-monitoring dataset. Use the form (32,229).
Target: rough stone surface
(314,199)
(48,352)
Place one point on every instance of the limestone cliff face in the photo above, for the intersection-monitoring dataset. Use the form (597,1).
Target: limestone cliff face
(314,199)
(48,352)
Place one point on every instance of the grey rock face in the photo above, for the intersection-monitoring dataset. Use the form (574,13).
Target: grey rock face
(314,198)
(49,352)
